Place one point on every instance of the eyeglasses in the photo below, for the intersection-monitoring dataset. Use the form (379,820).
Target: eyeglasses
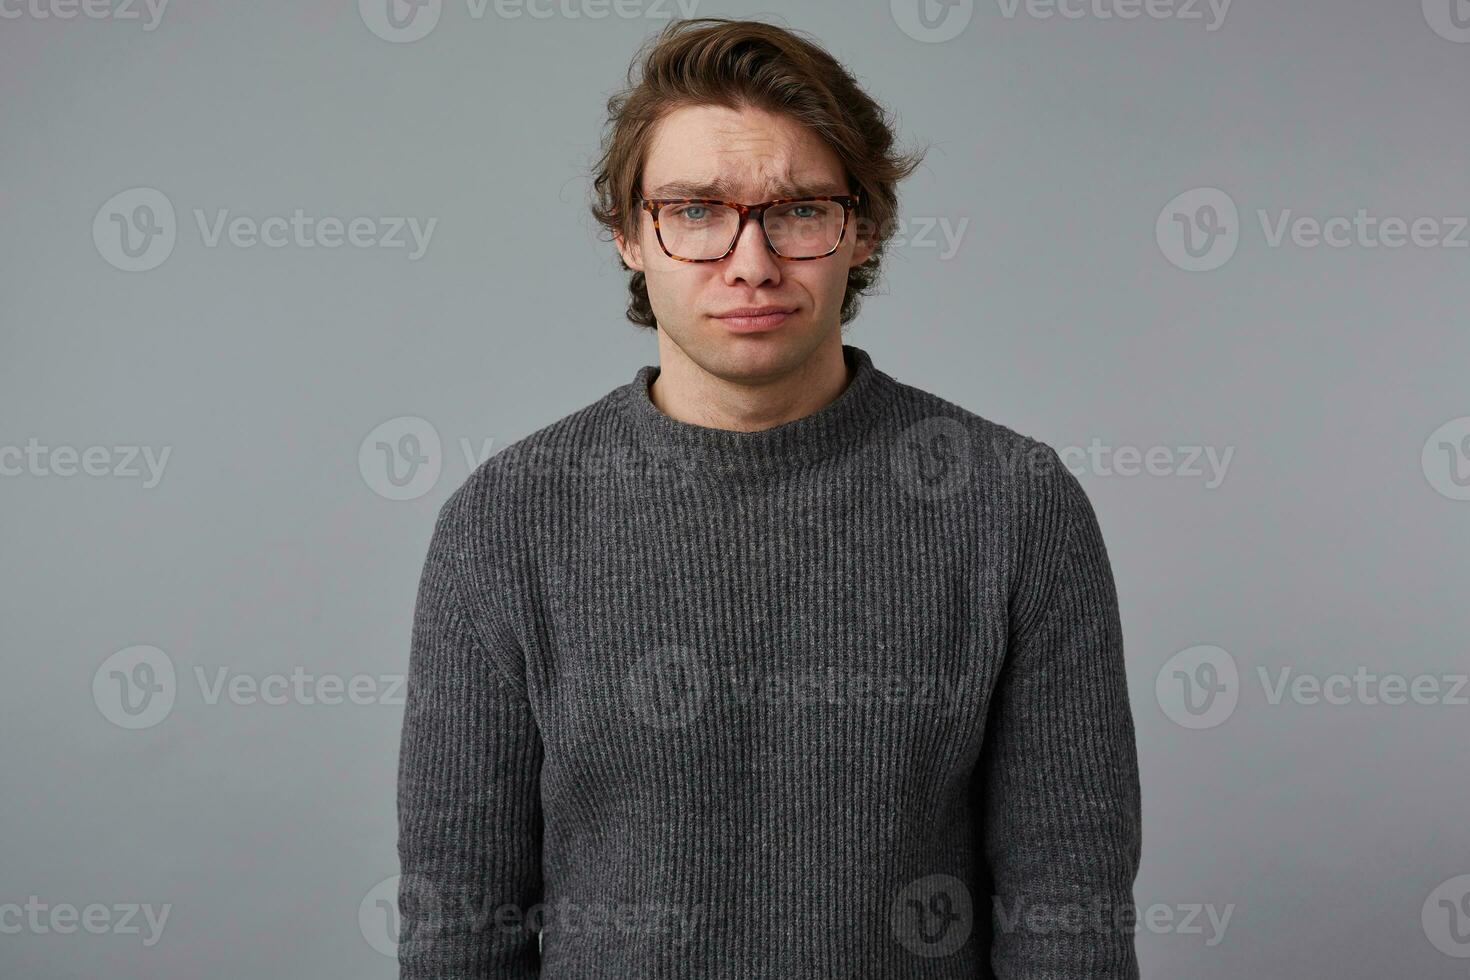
(796,228)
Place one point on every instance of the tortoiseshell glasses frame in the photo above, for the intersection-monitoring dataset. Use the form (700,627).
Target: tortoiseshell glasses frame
(758,211)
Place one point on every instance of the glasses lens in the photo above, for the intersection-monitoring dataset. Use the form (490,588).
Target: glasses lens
(797,229)
(697,231)
(803,229)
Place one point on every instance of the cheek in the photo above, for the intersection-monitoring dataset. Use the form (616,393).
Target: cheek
(672,286)
(826,284)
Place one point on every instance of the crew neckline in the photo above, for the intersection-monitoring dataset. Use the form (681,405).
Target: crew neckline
(729,454)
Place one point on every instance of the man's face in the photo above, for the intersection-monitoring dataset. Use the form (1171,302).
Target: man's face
(760,156)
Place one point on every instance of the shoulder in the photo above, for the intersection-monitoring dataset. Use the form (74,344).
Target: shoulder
(491,521)
(996,459)
(486,533)
(1030,507)
(530,468)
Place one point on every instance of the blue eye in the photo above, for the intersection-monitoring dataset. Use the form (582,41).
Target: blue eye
(802,212)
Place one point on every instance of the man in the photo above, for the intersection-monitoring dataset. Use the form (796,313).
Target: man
(764,664)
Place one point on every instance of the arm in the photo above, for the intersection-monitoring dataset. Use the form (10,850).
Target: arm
(1061,816)
(469,818)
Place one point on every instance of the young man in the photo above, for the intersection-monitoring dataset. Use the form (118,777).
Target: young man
(764,664)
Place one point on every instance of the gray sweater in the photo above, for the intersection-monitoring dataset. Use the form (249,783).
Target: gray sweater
(842,698)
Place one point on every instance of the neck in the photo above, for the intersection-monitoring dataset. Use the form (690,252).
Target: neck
(747,402)
(781,435)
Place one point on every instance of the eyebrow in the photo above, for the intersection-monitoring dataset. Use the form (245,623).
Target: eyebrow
(721,189)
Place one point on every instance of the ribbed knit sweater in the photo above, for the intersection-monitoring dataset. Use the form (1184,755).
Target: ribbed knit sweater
(841,698)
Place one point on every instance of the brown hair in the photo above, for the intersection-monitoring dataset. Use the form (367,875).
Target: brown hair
(746,63)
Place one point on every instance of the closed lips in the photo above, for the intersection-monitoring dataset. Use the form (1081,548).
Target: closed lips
(755,311)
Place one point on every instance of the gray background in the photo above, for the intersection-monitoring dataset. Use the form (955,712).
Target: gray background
(268,545)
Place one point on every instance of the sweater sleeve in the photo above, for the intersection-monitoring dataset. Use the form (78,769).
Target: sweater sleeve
(469,818)
(1061,802)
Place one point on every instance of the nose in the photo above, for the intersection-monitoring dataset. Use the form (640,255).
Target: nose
(751,262)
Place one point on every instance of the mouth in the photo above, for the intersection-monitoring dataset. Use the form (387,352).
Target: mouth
(754,319)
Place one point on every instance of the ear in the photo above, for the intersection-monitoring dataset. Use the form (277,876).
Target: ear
(632,253)
(862,250)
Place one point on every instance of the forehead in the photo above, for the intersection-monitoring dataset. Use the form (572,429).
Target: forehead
(738,154)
